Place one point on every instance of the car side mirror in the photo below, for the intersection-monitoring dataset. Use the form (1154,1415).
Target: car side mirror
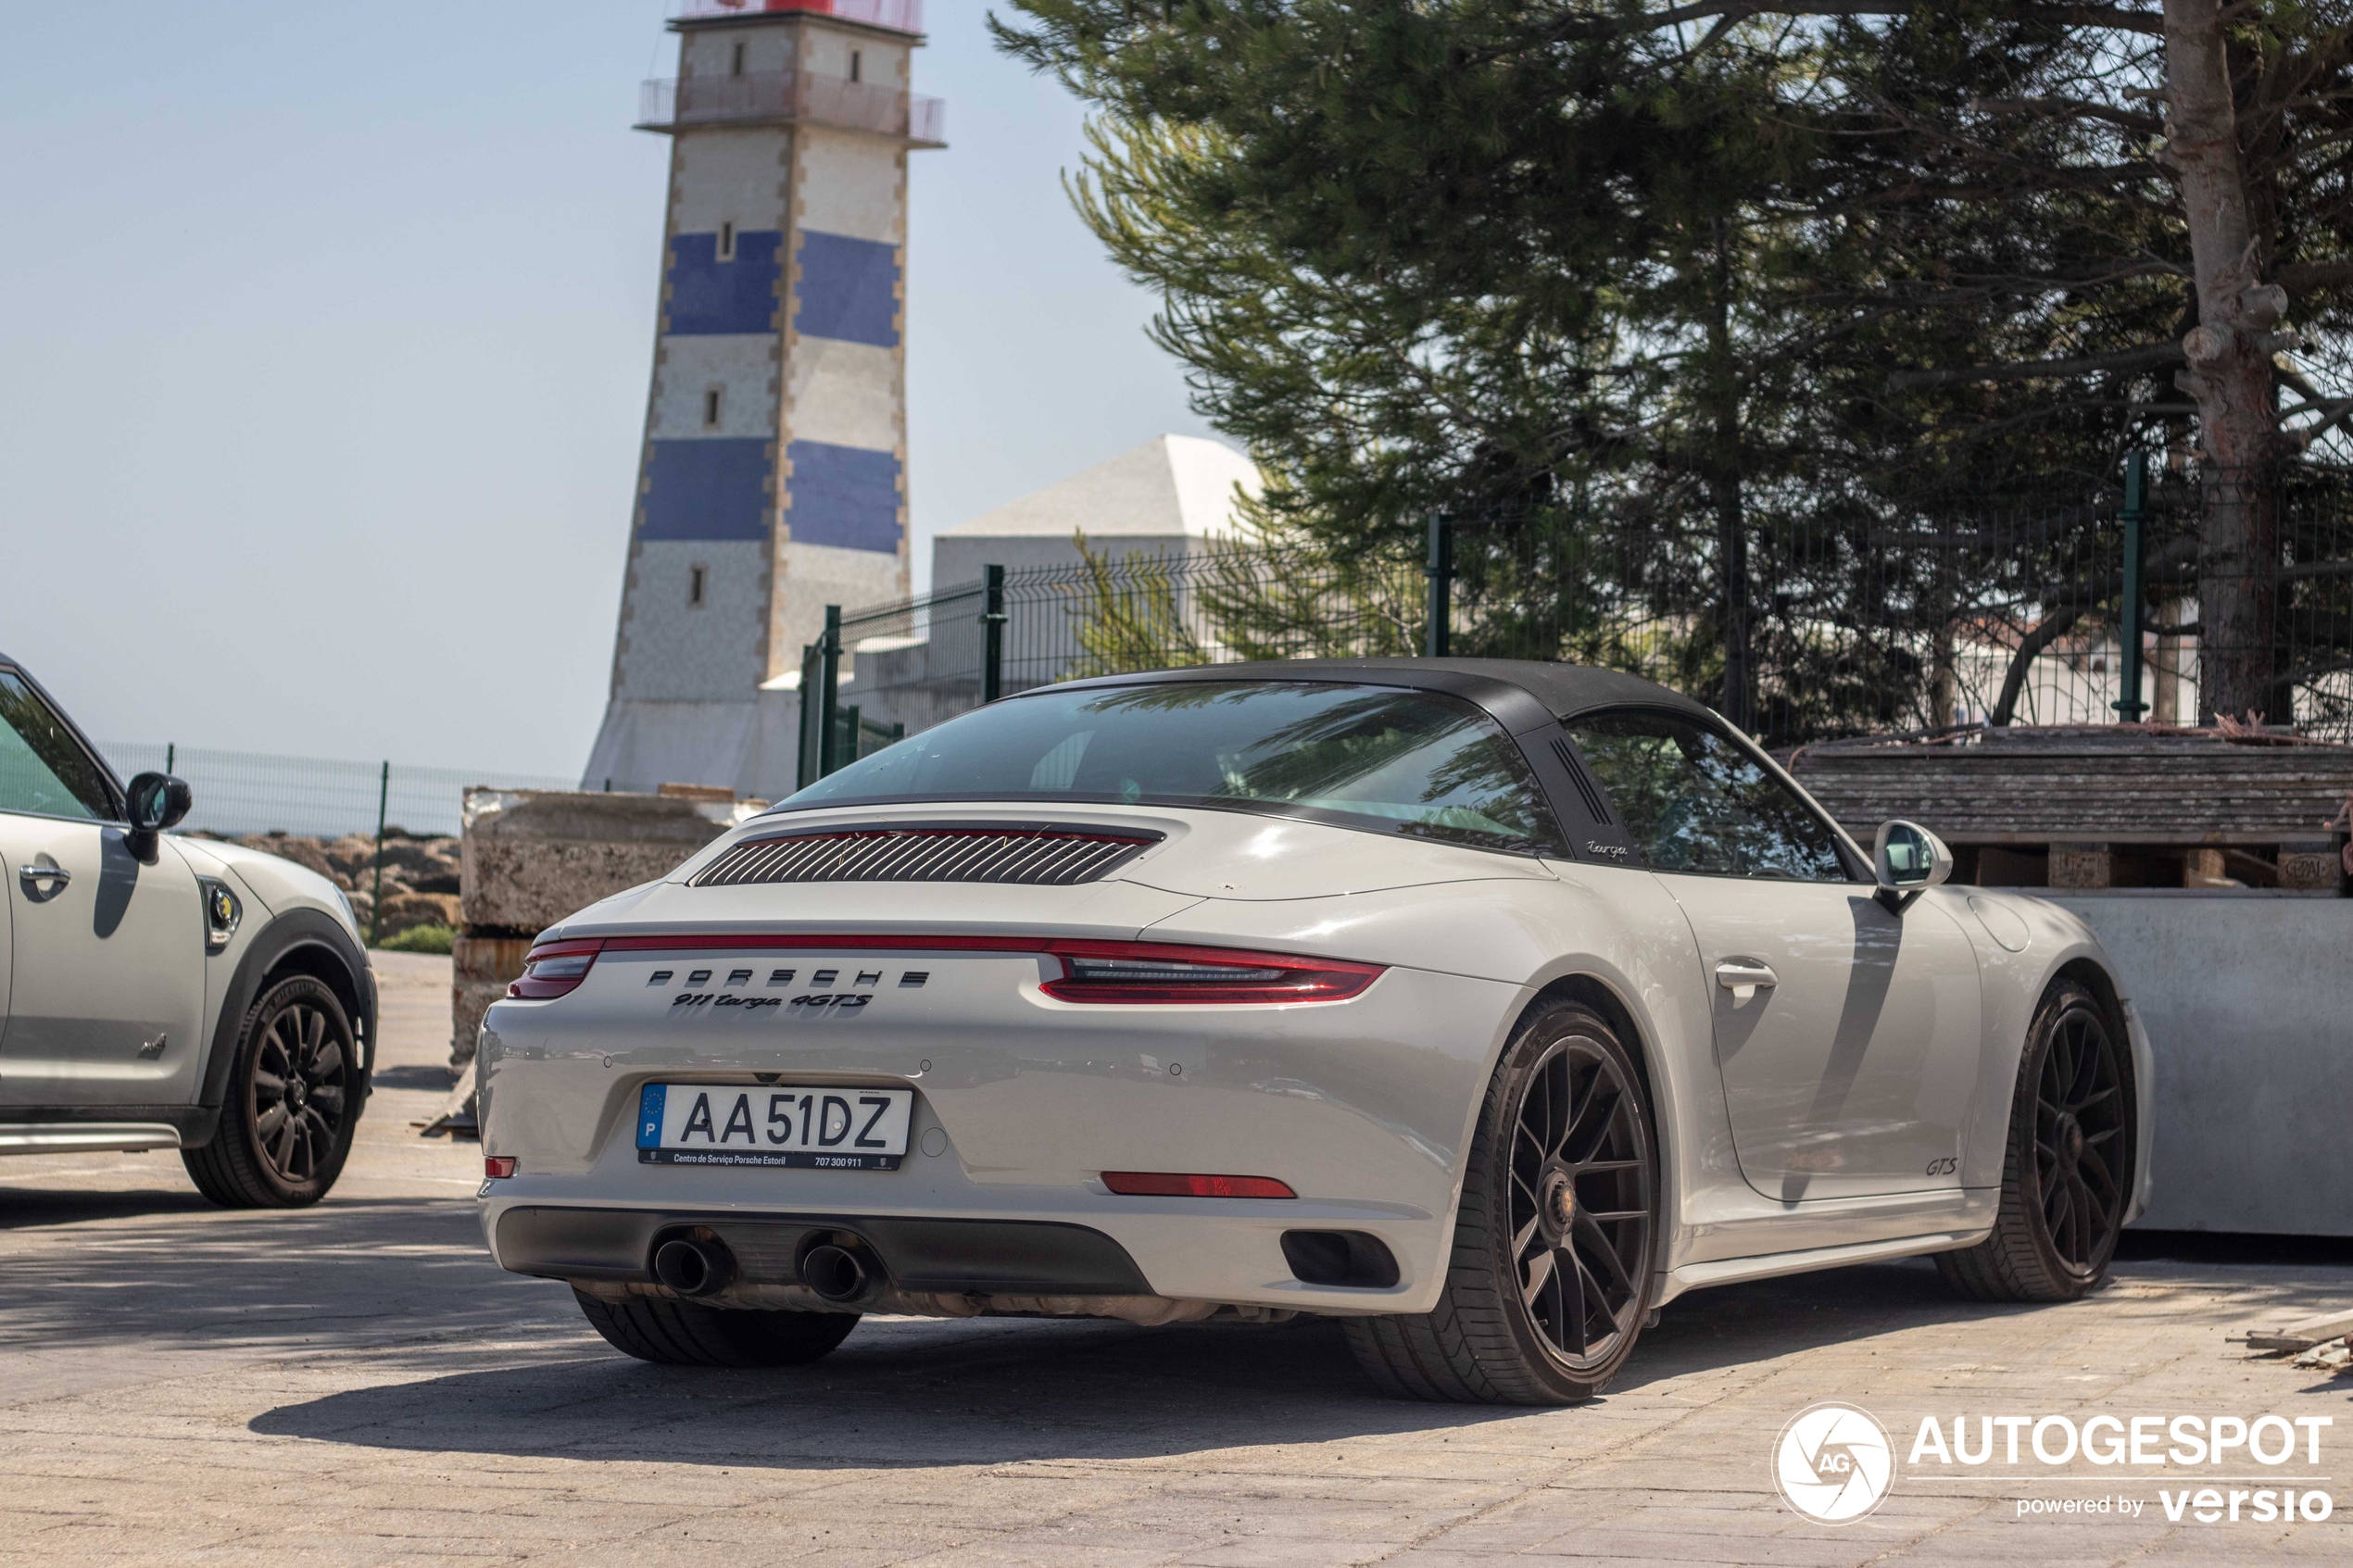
(1908,860)
(154,802)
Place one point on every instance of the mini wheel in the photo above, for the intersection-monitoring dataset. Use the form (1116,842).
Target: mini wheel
(293,1103)
(689,1333)
(1549,1282)
(2067,1177)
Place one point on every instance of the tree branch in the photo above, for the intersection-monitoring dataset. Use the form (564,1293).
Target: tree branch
(2057,625)
(2074,109)
(2149,356)
(2311,277)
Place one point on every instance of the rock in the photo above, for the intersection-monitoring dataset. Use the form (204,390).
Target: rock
(411,909)
(304,852)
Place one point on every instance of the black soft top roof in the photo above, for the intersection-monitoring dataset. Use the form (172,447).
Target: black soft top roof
(1563,691)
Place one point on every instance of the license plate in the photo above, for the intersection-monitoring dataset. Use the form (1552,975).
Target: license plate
(809,1126)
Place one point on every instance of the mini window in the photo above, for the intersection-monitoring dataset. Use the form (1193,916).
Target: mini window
(698,584)
(727,242)
(857,66)
(711,405)
(735,63)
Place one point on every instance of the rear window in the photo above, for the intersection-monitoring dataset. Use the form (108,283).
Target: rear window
(1418,763)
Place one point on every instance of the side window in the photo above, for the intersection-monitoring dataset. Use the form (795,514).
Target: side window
(42,768)
(1694,802)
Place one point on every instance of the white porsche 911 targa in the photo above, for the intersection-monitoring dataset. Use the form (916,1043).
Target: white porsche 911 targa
(1485,1005)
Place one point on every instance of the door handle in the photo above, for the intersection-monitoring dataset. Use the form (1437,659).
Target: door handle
(30,875)
(1741,977)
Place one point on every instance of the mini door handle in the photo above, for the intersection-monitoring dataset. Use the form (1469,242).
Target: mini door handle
(58,874)
(1742,978)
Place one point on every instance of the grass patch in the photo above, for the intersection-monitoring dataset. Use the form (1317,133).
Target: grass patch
(420,939)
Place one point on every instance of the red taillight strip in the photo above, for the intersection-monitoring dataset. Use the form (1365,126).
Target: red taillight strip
(1298,978)
(1301,978)
(539,988)
(1160,1184)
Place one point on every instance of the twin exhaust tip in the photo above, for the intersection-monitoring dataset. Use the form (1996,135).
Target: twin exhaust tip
(839,1269)
(839,1274)
(694,1268)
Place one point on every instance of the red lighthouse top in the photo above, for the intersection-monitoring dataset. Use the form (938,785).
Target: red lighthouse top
(900,16)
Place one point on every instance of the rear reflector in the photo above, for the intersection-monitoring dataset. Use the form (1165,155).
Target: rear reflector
(1160,1184)
(498,1166)
(554,968)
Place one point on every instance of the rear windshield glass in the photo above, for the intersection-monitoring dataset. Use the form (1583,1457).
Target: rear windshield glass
(1365,757)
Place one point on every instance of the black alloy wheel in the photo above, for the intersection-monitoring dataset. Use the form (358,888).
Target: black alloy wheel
(1580,1202)
(2068,1173)
(1550,1280)
(293,1098)
(2079,1120)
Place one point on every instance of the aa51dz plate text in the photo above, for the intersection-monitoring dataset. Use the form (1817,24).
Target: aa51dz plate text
(818,1126)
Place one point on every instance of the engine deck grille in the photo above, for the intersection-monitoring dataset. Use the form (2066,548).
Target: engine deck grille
(1038,856)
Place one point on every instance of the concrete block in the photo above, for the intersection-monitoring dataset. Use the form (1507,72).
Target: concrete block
(469,999)
(528,857)
(2250,1035)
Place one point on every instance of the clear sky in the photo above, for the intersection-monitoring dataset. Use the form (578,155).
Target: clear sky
(325,338)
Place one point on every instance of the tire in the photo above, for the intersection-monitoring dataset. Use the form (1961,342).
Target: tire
(295,1049)
(1566,1131)
(2066,1172)
(689,1333)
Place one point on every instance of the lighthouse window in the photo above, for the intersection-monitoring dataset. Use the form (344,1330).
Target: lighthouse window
(697,580)
(711,408)
(735,65)
(727,241)
(856,62)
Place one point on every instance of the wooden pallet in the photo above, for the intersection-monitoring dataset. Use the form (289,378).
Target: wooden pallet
(2124,806)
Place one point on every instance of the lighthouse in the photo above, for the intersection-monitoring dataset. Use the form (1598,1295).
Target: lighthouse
(772,477)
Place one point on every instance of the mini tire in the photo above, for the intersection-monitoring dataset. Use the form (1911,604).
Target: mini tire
(2068,1170)
(293,1098)
(672,1333)
(1550,1279)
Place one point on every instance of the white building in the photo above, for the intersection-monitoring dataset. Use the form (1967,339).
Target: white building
(1160,499)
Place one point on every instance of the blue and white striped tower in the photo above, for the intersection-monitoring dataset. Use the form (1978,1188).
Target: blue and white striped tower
(773,476)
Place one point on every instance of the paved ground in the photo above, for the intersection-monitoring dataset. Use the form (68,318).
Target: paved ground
(356,1383)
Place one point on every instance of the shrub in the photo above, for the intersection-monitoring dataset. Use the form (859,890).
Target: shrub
(420,939)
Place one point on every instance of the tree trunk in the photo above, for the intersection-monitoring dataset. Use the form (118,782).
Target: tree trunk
(1724,477)
(2230,370)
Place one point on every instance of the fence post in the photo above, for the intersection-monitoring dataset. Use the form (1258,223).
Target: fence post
(828,692)
(992,624)
(376,899)
(1441,572)
(171,755)
(2134,517)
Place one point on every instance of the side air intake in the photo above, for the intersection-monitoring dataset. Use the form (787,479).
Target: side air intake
(1038,857)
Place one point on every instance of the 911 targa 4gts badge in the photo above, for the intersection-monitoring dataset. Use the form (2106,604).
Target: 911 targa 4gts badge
(812,1004)
(837,1004)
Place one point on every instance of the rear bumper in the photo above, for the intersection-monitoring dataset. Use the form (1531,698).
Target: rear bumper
(967,1256)
(1020,1102)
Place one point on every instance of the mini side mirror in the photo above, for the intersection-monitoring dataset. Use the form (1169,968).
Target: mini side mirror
(153,801)
(1908,860)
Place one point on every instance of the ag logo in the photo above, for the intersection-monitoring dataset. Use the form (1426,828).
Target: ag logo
(1833,1462)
